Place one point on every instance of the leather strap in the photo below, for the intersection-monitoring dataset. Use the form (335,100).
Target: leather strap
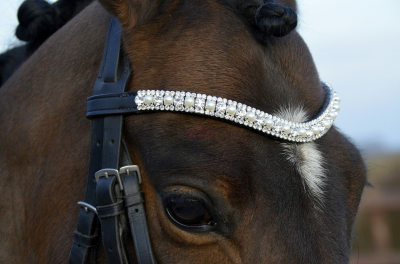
(111,81)
(111,104)
(134,200)
(85,241)
(105,108)
(103,141)
(110,211)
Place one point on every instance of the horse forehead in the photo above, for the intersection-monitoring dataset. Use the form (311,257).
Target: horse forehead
(220,156)
(210,50)
(198,48)
(218,55)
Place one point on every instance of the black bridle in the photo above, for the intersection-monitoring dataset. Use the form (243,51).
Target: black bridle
(113,196)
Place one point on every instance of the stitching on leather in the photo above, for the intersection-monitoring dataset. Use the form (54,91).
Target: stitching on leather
(106,49)
(85,236)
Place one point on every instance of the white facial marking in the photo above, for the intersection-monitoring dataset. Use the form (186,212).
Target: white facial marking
(306,157)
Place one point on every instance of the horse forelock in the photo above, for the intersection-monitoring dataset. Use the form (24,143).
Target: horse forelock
(306,157)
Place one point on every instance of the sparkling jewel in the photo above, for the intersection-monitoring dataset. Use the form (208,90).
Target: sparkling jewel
(189,101)
(333,115)
(241,111)
(260,120)
(302,132)
(242,114)
(210,105)
(139,100)
(269,123)
(336,107)
(250,116)
(178,102)
(158,100)
(199,105)
(286,129)
(148,99)
(231,110)
(326,123)
(168,100)
(315,130)
(277,125)
(221,106)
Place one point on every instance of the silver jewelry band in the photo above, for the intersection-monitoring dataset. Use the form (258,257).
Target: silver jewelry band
(242,114)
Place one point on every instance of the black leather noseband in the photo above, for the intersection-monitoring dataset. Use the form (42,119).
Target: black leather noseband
(113,195)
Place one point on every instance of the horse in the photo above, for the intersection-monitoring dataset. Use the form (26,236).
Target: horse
(251,197)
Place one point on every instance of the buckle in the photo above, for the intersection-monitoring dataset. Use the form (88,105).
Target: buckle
(87,207)
(109,172)
(128,169)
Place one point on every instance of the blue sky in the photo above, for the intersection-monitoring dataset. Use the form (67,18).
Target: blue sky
(355,47)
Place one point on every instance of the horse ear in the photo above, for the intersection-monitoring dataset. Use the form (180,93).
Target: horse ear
(131,12)
(289,3)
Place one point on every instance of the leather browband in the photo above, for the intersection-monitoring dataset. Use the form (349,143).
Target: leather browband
(113,193)
(111,104)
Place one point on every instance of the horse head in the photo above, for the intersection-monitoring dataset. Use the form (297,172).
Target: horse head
(215,192)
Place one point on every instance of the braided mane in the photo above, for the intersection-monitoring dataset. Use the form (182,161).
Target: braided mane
(38,20)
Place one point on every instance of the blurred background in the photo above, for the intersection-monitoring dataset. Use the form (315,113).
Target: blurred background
(355,47)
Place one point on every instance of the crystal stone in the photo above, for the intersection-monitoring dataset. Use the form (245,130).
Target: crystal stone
(277,125)
(199,104)
(139,100)
(158,100)
(221,107)
(259,120)
(241,111)
(178,101)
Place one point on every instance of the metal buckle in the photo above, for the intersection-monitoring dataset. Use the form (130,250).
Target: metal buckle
(130,168)
(87,207)
(109,172)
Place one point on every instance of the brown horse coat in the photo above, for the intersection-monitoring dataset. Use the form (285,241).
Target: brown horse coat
(265,210)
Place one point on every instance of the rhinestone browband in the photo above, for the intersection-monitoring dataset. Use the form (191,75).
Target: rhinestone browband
(242,114)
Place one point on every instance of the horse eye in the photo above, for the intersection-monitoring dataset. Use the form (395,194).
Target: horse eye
(188,212)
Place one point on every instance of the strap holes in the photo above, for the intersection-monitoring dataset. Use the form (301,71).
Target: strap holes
(98,143)
(137,210)
(112,141)
(110,248)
